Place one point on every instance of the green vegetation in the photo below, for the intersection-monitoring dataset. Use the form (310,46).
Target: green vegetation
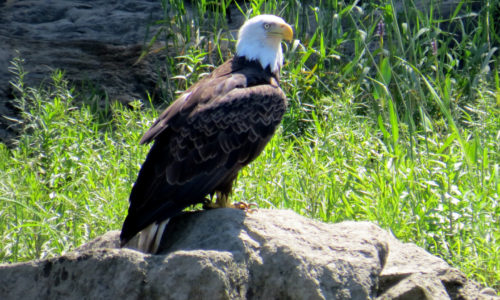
(394,117)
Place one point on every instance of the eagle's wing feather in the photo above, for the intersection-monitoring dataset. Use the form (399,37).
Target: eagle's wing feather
(201,92)
(201,142)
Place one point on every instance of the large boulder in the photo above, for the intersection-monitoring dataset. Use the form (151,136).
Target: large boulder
(227,254)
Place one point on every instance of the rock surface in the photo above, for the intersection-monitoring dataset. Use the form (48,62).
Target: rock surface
(96,43)
(225,254)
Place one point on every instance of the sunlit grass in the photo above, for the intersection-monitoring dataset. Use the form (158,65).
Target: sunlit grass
(69,176)
(397,123)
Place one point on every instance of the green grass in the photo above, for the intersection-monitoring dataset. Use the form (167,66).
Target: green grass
(68,177)
(400,127)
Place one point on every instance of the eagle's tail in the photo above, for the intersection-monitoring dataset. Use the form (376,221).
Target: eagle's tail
(148,240)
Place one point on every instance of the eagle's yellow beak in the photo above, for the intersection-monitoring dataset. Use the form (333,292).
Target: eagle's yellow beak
(281,30)
(286,31)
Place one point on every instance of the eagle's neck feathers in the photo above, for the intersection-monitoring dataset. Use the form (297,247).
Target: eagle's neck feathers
(267,52)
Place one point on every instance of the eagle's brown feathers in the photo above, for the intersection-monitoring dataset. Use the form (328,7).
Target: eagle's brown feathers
(203,139)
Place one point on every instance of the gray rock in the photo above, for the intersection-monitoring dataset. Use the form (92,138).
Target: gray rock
(416,286)
(288,256)
(227,254)
(96,43)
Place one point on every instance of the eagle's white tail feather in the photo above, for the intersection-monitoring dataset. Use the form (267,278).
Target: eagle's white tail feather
(159,235)
(148,240)
(146,237)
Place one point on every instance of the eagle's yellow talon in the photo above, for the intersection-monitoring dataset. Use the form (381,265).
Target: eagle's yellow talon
(246,207)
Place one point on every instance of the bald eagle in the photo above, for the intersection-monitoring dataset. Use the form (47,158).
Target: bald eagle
(204,138)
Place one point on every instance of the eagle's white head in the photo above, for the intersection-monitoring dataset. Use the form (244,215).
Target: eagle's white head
(260,39)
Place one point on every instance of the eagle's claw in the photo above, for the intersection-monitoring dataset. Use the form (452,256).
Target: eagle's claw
(246,207)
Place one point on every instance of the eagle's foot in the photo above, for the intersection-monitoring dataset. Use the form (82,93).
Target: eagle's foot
(246,207)
(222,201)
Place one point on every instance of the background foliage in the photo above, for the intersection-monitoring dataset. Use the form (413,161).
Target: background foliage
(393,118)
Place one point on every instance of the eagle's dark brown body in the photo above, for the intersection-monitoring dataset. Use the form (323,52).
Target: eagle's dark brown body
(203,139)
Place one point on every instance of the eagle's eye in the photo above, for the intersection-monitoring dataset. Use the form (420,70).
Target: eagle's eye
(267,26)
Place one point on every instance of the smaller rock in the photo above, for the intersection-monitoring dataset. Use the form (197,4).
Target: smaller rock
(110,239)
(417,286)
